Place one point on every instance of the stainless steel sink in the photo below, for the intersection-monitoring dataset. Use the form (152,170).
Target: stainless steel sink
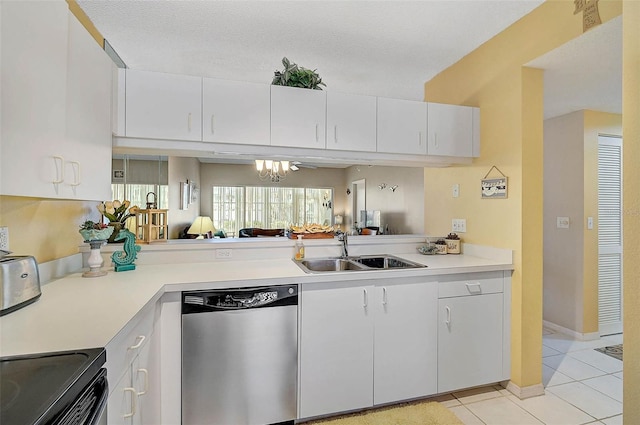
(329,265)
(361,263)
(387,262)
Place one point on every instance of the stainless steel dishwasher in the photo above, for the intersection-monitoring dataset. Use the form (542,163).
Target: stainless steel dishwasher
(240,356)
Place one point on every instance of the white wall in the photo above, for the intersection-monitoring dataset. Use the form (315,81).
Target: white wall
(402,210)
(181,169)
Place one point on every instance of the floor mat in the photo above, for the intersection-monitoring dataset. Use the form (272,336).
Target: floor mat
(614,351)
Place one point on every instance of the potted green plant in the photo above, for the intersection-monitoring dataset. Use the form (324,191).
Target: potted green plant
(294,75)
(92,231)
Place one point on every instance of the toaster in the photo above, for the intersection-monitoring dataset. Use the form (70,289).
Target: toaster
(19,282)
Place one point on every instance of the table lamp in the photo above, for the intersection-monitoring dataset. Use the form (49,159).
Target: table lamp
(200,226)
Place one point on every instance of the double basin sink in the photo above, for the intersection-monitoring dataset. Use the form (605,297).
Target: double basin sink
(360,263)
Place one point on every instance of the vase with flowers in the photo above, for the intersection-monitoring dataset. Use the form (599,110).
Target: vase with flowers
(117,213)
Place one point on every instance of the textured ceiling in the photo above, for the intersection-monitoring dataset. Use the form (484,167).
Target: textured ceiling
(585,73)
(383,48)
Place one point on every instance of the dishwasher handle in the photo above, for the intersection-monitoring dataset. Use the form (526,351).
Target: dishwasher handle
(239,299)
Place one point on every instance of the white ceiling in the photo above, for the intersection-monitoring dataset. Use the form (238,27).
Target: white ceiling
(585,73)
(383,48)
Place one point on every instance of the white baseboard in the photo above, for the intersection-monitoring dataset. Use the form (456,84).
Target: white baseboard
(525,392)
(591,336)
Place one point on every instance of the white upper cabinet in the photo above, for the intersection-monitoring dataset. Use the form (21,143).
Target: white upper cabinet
(453,130)
(298,117)
(402,126)
(163,106)
(88,168)
(55,105)
(351,122)
(235,112)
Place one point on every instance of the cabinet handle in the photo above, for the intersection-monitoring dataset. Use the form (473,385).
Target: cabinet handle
(317,136)
(384,296)
(448,321)
(140,339)
(59,163)
(189,122)
(365,298)
(134,401)
(146,381)
(335,133)
(75,166)
(435,139)
(213,124)
(419,138)
(474,288)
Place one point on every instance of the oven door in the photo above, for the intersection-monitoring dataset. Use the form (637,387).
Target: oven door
(90,407)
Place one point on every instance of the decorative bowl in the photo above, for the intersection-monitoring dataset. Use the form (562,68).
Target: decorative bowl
(96,234)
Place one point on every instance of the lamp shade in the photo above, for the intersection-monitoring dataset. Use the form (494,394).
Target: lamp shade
(200,226)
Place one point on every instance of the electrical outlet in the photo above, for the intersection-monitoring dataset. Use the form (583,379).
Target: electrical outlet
(459,225)
(4,238)
(224,253)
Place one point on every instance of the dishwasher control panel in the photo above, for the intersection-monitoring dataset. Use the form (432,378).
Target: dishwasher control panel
(239,298)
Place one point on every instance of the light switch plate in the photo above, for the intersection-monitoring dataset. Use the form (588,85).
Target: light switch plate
(562,222)
(455,191)
(590,223)
(4,238)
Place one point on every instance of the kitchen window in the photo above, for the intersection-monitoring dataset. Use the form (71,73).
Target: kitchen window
(268,207)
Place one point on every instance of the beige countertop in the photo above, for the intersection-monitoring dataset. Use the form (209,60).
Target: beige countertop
(76,312)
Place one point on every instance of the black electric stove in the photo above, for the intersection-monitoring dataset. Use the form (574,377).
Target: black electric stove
(67,387)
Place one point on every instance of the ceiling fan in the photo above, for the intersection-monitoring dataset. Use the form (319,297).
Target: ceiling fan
(296,165)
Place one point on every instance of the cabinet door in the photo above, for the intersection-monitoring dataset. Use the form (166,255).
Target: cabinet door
(450,130)
(122,402)
(469,341)
(336,350)
(145,374)
(33,80)
(298,117)
(88,105)
(351,122)
(163,106)
(235,112)
(406,333)
(402,126)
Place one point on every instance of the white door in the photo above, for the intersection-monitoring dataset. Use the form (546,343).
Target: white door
(236,112)
(336,350)
(609,235)
(405,356)
(402,126)
(450,129)
(298,117)
(351,122)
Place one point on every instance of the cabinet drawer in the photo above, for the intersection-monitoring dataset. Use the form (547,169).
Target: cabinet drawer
(125,346)
(471,286)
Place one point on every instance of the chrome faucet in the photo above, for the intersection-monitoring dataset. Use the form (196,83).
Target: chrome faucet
(342,237)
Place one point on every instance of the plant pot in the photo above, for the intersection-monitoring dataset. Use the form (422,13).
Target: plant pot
(96,234)
(117,226)
(453,246)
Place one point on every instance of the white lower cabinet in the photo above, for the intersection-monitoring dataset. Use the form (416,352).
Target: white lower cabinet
(471,333)
(133,370)
(405,353)
(366,345)
(336,349)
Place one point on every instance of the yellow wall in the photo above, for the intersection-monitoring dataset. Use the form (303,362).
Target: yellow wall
(46,229)
(631,194)
(595,123)
(509,96)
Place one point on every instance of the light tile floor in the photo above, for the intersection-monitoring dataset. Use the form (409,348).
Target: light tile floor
(582,386)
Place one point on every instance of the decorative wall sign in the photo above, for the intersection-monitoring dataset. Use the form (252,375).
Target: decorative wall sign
(590,13)
(494,188)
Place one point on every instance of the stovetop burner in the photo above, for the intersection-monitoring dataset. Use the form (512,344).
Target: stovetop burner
(34,389)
